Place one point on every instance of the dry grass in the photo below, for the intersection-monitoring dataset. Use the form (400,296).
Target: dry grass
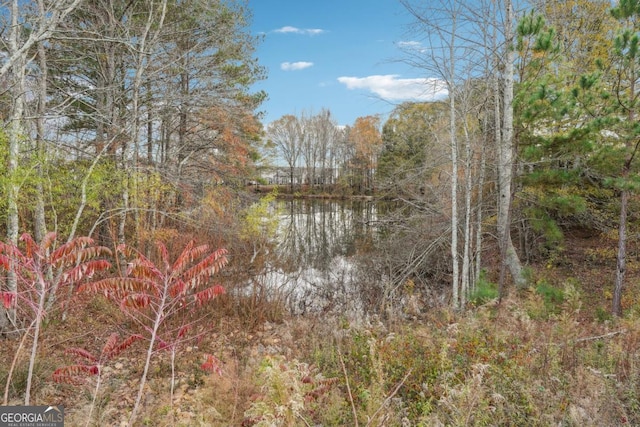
(550,355)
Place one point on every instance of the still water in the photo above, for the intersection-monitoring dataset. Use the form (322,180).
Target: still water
(313,263)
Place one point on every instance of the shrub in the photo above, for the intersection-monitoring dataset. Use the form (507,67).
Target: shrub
(552,296)
(484,292)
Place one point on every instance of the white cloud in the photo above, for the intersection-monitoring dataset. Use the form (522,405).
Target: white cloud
(294,30)
(411,45)
(295,66)
(392,88)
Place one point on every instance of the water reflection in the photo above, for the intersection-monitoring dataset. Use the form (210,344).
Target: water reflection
(313,263)
(313,232)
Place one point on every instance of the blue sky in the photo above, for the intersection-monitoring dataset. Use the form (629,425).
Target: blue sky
(342,55)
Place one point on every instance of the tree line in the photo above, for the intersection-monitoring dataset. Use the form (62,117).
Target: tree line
(540,124)
(340,158)
(538,134)
(119,117)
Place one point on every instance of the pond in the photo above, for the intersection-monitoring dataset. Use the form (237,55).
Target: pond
(313,264)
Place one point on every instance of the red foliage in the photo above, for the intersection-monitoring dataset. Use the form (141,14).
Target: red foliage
(82,353)
(8,299)
(71,263)
(74,374)
(146,283)
(212,364)
(77,374)
(154,292)
(208,294)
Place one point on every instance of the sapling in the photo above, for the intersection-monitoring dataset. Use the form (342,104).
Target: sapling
(78,373)
(42,269)
(151,294)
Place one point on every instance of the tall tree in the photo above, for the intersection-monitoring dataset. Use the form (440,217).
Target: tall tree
(454,52)
(409,155)
(625,72)
(322,130)
(506,154)
(15,136)
(581,28)
(366,140)
(286,135)
(207,66)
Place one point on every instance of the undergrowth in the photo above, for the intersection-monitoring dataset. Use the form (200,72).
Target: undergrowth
(531,360)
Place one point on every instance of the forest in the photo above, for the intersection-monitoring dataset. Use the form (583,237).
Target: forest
(501,284)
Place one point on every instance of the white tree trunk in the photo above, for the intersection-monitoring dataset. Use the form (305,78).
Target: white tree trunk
(468,189)
(15,135)
(510,259)
(455,280)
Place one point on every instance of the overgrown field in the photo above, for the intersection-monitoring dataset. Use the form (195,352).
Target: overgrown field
(541,357)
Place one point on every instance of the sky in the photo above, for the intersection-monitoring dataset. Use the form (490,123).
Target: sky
(342,55)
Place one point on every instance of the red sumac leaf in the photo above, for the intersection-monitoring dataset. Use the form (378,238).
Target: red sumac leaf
(8,299)
(32,248)
(212,364)
(70,247)
(205,268)
(164,255)
(115,352)
(48,240)
(142,268)
(178,288)
(74,374)
(189,254)
(110,344)
(208,294)
(86,269)
(80,255)
(5,261)
(60,377)
(82,353)
(113,284)
(183,331)
(11,250)
(137,301)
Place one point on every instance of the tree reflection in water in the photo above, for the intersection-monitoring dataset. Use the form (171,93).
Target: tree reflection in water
(313,264)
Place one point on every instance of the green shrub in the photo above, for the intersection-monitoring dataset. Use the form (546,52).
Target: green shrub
(484,292)
(552,296)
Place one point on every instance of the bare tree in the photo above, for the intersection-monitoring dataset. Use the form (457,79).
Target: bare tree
(506,157)
(322,133)
(461,52)
(18,48)
(452,57)
(286,134)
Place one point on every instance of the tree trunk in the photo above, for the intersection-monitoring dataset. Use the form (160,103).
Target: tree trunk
(622,254)
(40,222)
(510,259)
(468,226)
(14,133)
(455,280)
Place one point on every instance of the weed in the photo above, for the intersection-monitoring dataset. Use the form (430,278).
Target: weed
(551,296)
(290,392)
(484,292)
